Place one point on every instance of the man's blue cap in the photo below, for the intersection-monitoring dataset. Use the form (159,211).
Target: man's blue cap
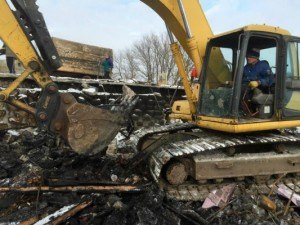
(253,54)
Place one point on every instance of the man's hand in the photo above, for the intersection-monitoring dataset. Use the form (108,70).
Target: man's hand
(253,84)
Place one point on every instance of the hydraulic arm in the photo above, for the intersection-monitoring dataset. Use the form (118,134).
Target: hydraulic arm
(85,128)
(187,21)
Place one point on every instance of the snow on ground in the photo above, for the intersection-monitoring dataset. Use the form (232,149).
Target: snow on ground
(13,132)
(55,215)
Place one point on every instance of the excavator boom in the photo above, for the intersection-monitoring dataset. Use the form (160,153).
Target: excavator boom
(85,128)
(187,21)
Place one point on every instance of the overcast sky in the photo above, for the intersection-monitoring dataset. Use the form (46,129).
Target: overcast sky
(117,23)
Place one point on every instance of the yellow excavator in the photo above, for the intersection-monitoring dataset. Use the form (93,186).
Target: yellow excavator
(233,132)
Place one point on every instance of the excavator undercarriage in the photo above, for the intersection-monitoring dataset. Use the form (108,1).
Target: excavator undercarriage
(188,162)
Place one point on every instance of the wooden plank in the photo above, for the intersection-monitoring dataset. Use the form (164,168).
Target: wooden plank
(80,58)
(86,188)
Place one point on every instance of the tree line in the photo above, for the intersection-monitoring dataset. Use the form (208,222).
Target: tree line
(149,60)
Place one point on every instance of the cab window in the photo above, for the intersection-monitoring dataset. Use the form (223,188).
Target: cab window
(218,87)
(292,80)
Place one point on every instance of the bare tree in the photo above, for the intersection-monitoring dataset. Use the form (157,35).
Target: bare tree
(149,58)
(145,57)
(132,66)
(119,66)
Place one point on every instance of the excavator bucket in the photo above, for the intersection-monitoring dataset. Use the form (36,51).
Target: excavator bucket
(88,129)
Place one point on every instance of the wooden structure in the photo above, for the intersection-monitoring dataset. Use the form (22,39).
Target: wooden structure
(80,59)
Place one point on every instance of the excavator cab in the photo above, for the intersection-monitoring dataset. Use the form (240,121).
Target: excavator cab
(227,103)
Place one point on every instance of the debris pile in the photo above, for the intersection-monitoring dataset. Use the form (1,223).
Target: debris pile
(43,182)
(153,99)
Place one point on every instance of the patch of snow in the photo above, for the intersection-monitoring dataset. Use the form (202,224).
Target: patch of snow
(90,91)
(54,215)
(105,93)
(130,81)
(5,181)
(119,137)
(12,120)
(22,96)
(13,132)
(72,90)
(34,90)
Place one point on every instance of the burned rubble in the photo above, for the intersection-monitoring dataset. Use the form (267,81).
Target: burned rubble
(43,182)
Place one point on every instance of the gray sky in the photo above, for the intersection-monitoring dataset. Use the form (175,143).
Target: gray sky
(118,23)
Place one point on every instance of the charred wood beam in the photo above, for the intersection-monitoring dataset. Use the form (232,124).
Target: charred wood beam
(56,182)
(30,221)
(86,189)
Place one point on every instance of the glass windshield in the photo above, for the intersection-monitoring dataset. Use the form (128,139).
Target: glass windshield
(292,66)
(292,81)
(218,85)
(269,55)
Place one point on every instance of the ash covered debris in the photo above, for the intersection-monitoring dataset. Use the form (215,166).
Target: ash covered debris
(148,111)
(33,159)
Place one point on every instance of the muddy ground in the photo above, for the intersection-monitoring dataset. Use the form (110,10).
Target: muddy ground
(32,159)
